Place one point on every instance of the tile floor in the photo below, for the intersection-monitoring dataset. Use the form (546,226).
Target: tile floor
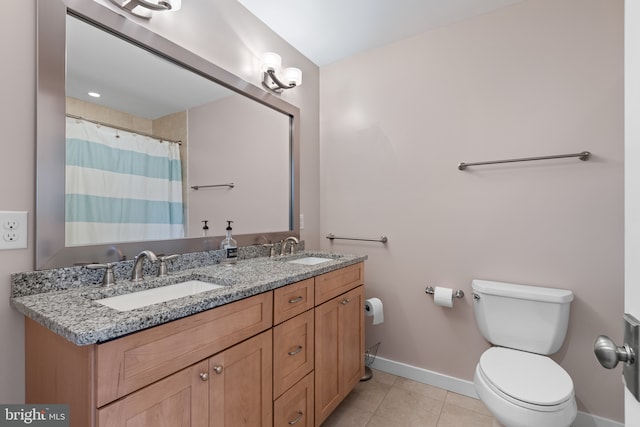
(390,401)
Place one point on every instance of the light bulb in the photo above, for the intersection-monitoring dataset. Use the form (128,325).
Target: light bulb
(271,61)
(292,76)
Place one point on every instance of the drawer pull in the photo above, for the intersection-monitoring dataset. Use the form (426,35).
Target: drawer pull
(204,376)
(295,300)
(345,301)
(218,369)
(296,351)
(297,419)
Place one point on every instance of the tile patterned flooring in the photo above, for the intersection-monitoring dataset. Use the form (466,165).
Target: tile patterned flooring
(390,401)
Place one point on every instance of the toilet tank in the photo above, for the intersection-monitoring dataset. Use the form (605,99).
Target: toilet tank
(522,317)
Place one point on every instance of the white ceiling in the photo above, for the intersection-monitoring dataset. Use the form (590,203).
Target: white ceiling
(328,30)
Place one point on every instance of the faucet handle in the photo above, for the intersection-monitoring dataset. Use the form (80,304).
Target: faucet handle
(272,249)
(292,247)
(162,268)
(108,279)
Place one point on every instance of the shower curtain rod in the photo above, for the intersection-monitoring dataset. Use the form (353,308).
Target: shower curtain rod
(73,116)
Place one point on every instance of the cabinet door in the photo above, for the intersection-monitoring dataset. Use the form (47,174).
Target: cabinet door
(327,358)
(180,400)
(240,384)
(339,336)
(352,339)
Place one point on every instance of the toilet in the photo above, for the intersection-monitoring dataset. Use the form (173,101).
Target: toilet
(515,379)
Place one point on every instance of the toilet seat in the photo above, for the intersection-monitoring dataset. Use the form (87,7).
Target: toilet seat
(526,379)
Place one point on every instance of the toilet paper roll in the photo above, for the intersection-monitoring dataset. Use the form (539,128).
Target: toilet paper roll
(373,308)
(443,297)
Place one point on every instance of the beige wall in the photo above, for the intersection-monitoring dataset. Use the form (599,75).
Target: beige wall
(237,140)
(541,77)
(221,31)
(17,176)
(108,116)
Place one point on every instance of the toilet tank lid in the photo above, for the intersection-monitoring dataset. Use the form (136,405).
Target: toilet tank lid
(512,290)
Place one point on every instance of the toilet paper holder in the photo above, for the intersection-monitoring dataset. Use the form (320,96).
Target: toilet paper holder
(456,294)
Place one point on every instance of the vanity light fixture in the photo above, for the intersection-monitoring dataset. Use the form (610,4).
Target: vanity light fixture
(144,8)
(272,67)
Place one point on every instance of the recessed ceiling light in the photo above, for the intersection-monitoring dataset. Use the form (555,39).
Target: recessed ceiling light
(94,94)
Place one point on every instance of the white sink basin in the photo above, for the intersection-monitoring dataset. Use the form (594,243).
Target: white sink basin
(147,297)
(310,260)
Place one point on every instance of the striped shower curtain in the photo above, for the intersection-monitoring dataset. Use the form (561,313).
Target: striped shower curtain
(120,186)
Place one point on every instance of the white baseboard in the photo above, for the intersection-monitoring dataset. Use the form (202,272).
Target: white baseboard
(587,420)
(467,388)
(435,379)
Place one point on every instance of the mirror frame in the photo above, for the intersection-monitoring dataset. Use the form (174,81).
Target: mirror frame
(51,251)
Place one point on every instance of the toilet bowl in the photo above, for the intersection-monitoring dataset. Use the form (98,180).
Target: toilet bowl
(524,389)
(515,379)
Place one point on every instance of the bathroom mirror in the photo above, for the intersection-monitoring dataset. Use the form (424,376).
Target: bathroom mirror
(231,132)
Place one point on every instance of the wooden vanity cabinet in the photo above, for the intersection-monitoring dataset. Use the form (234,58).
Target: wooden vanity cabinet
(157,371)
(228,366)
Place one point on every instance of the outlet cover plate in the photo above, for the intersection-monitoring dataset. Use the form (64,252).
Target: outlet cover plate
(13,230)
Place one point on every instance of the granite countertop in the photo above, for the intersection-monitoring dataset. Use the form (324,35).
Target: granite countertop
(74,314)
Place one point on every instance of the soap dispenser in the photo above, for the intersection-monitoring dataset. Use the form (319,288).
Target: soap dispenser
(230,247)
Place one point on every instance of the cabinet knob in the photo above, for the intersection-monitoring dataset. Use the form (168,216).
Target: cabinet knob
(204,376)
(345,301)
(218,369)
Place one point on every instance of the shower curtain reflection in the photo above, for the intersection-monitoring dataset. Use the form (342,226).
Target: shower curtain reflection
(120,186)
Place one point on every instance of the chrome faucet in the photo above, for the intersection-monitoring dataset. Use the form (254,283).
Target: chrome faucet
(136,273)
(293,239)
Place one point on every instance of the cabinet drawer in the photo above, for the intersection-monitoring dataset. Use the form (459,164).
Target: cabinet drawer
(132,362)
(337,282)
(295,407)
(292,300)
(293,346)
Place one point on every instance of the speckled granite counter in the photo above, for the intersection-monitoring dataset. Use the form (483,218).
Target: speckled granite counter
(74,314)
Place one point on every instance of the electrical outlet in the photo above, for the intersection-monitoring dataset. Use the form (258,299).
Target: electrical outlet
(10,224)
(13,228)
